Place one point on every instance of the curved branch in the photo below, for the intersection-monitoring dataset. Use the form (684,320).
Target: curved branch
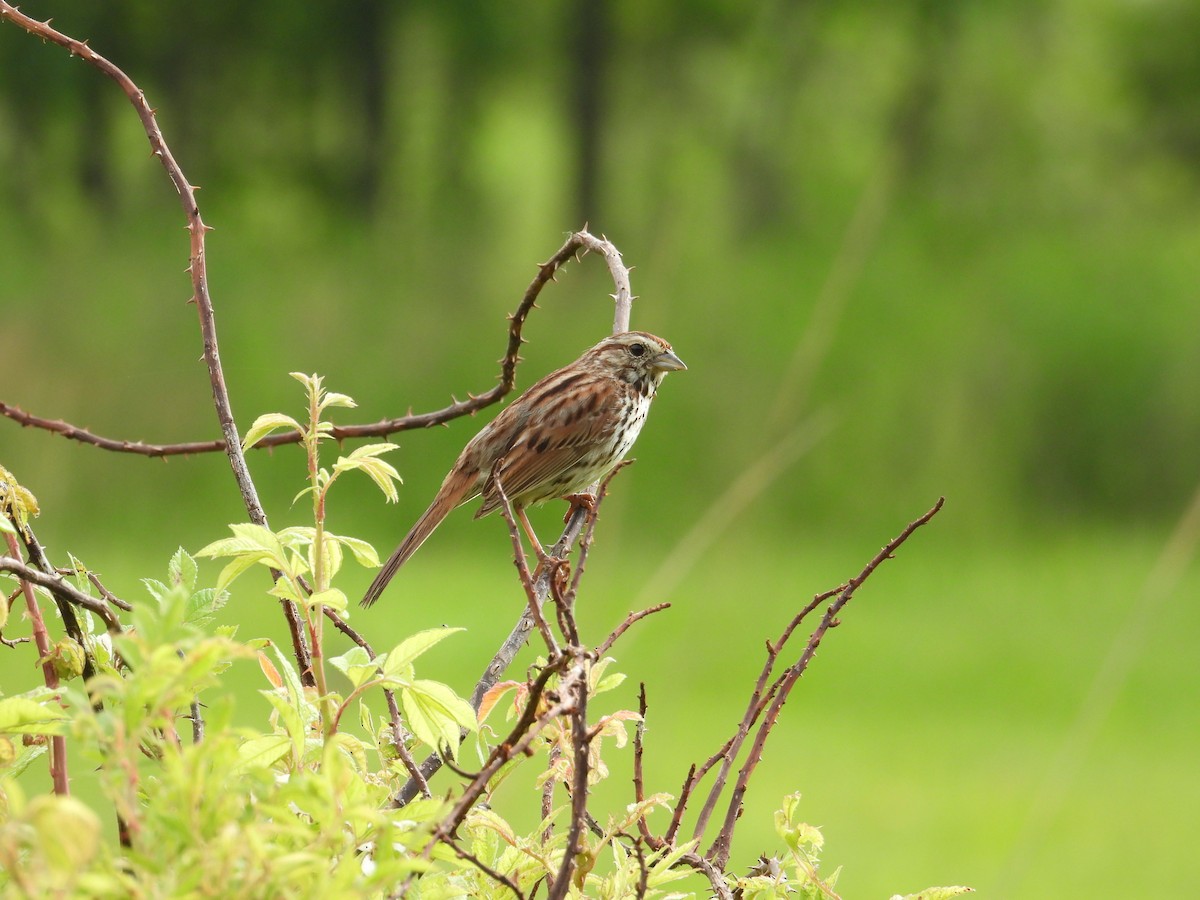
(383,428)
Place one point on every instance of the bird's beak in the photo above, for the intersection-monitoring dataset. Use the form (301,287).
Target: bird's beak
(668,362)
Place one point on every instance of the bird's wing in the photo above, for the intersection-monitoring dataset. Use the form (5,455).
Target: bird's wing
(560,430)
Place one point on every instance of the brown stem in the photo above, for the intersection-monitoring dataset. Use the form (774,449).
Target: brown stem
(579,786)
(58,743)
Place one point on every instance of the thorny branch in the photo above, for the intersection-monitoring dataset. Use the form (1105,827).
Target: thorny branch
(198,270)
(580,241)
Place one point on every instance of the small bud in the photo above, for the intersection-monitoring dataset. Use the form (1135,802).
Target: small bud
(68,658)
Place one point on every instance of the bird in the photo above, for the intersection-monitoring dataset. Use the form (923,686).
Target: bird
(563,434)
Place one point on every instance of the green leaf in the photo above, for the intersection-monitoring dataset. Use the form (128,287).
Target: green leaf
(363,552)
(263,751)
(436,714)
(233,569)
(336,399)
(24,715)
(6,526)
(356,665)
(333,557)
(296,536)
(291,719)
(406,652)
(203,606)
(331,598)
(182,570)
(265,424)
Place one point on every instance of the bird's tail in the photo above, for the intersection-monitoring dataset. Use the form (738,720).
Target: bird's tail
(454,491)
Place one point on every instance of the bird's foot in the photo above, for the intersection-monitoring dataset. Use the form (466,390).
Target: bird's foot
(579,501)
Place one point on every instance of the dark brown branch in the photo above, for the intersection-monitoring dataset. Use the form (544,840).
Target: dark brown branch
(61,588)
(580,739)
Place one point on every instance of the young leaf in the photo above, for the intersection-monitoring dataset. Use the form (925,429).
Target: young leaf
(489,700)
(265,424)
(262,751)
(331,598)
(336,399)
(366,459)
(436,714)
(182,570)
(363,552)
(404,653)
(355,665)
(23,715)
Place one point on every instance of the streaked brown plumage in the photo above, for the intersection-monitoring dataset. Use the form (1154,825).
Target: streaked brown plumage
(564,433)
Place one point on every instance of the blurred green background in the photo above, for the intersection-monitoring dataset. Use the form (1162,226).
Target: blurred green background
(907,249)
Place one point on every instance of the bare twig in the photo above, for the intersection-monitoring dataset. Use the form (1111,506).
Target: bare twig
(719,851)
(478,863)
(754,709)
(382,428)
(639,783)
(616,633)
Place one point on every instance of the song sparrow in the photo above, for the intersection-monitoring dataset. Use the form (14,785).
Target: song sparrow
(564,433)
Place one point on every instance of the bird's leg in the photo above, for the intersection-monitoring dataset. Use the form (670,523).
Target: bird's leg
(579,501)
(533,538)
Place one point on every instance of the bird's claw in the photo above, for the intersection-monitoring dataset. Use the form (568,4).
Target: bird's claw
(584,500)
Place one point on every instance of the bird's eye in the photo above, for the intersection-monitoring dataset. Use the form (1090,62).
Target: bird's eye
(637,349)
